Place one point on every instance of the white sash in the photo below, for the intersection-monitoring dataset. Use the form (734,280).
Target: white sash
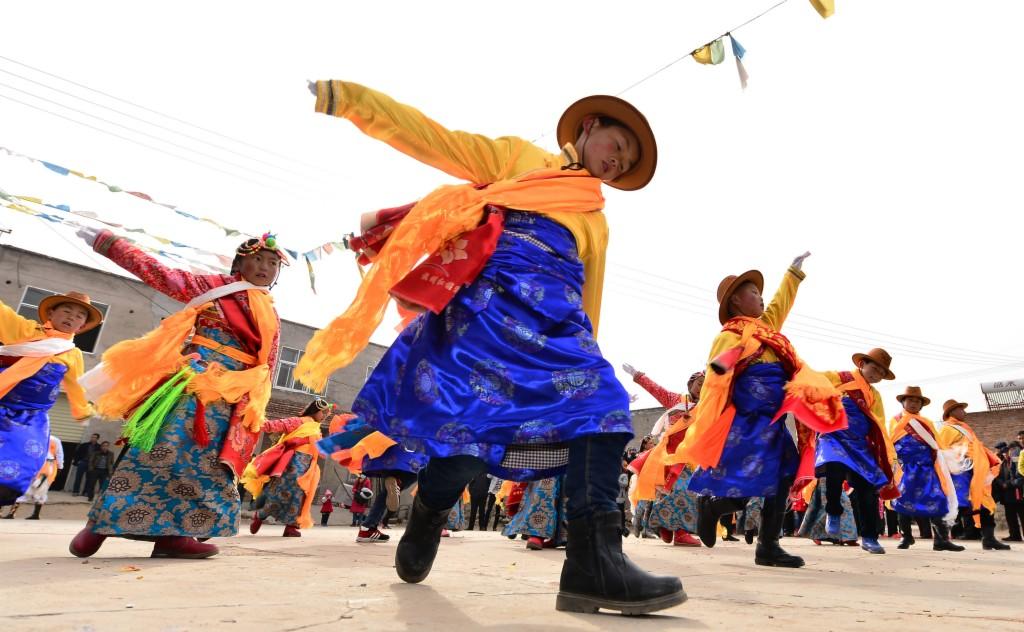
(951,502)
(662,423)
(38,348)
(224,290)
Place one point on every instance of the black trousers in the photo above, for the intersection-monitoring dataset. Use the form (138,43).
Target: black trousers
(892,522)
(923,524)
(324,517)
(81,469)
(477,512)
(1015,519)
(865,498)
(95,482)
(487,513)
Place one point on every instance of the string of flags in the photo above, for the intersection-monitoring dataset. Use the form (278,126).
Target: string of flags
(713,53)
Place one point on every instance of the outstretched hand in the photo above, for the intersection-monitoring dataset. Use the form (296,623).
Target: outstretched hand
(628,368)
(799,261)
(88,235)
(311,86)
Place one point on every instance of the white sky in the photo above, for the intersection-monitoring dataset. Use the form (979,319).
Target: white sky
(885,140)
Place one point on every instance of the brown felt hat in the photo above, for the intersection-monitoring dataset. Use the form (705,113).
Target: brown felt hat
(880,357)
(730,284)
(570,126)
(913,391)
(950,406)
(92,322)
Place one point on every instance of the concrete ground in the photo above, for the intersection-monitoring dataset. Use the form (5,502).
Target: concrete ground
(482,582)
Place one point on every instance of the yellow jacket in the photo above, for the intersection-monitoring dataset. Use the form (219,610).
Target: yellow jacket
(470,157)
(957,434)
(16,328)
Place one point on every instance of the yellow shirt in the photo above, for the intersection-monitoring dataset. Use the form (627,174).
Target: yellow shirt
(774,315)
(470,157)
(16,328)
(877,407)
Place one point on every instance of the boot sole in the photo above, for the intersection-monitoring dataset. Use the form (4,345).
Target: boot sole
(184,556)
(570,602)
(777,564)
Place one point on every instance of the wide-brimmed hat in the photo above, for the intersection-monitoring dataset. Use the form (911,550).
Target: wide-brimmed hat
(571,125)
(950,406)
(880,357)
(91,322)
(913,391)
(730,284)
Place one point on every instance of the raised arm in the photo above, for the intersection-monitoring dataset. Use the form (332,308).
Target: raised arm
(178,284)
(470,157)
(14,327)
(289,424)
(665,397)
(777,311)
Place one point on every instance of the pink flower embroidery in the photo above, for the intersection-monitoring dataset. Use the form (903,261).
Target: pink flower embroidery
(454,251)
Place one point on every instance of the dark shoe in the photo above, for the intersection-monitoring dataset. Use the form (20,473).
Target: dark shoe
(35,513)
(748,536)
(709,510)
(256,523)
(771,554)
(182,547)
(597,574)
(989,541)
(418,546)
(291,531)
(906,542)
(371,535)
(86,543)
(732,538)
(941,542)
(1013,539)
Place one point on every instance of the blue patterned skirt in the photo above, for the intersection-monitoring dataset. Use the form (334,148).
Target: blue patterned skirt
(676,509)
(510,361)
(282,498)
(178,487)
(25,429)
(920,490)
(962,483)
(813,525)
(456,517)
(850,446)
(758,454)
(542,513)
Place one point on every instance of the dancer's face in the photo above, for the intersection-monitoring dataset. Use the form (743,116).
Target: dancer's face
(872,371)
(695,386)
(261,268)
(68,318)
(913,405)
(958,413)
(607,151)
(747,301)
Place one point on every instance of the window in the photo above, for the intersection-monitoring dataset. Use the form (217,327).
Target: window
(29,308)
(286,362)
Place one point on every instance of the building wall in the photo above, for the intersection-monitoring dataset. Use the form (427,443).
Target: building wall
(993,426)
(135,309)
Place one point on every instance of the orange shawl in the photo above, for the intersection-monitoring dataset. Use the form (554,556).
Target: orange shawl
(444,214)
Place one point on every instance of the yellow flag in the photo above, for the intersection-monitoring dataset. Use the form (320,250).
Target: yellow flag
(824,7)
(712,53)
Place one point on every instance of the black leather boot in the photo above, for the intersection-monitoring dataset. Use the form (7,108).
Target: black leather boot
(418,546)
(941,541)
(709,510)
(35,512)
(768,551)
(989,541)
(597,574)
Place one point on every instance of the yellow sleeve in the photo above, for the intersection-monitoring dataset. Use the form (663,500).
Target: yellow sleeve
(783,300)
(14,327)
(833,377)
(470,157)
(949,437)
(592,253)
(1020,463)
(878,407)
(80,407)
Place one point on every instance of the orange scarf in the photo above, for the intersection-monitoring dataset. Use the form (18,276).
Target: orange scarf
(986,467)
(26,367)
(138,366)
(444,214)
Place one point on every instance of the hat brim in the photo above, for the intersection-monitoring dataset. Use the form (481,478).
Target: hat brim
(571,125)
(857,357)
(93,321)
(946,411)
(925,401)
(750,276)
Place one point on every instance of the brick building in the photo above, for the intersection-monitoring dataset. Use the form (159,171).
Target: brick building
(131,309)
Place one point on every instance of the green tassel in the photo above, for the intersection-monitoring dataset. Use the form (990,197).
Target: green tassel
(147,420)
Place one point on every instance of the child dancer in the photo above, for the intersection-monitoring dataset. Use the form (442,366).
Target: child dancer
(198,401)
(504,373)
